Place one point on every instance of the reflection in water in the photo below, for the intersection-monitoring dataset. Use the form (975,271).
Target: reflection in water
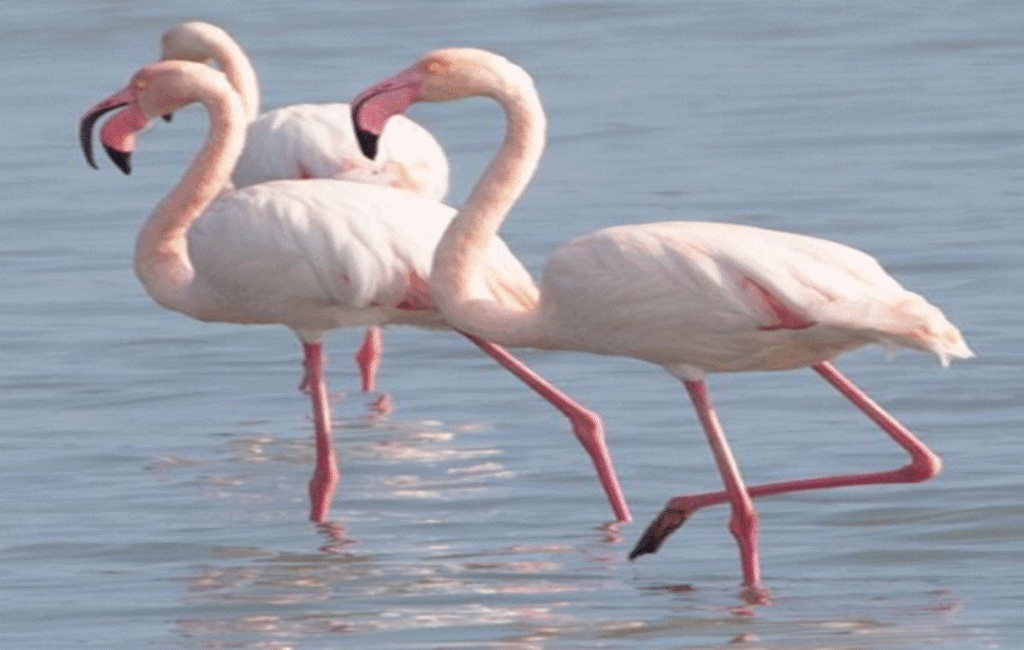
(354,586)
(427,581)
(892,127)
(373,438)
(541,590)
(338,539)
(358,594)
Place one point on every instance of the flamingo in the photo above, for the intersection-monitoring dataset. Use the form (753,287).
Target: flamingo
(313,255)
(693,298)
(313,141)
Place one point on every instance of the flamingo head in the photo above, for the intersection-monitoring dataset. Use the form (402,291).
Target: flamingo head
(156,90)
(192,40)
(441,76)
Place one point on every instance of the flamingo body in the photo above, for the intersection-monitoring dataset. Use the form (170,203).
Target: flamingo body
(306,141)
(698,297)
(321,254)
(693,298)
(313,255)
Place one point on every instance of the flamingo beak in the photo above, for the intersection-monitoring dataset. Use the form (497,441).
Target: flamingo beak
(167,117)
(372,108)
(119,100)
(368,143)
(368,140)
(118,134)
(123,159)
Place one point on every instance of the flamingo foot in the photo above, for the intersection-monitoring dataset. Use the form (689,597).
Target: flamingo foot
(383,404)
(658,531)
(755,595)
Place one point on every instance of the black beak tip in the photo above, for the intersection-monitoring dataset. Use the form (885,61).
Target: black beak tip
(367,143)
(123,159)
(167,117)
(85,132)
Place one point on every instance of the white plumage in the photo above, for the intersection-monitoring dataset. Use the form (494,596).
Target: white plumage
(317,255)
(708,297)
(309,140)
(317,141)
(694,298)
(313,255)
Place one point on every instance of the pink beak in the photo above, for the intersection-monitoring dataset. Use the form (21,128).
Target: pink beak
(372,108)
(118,134)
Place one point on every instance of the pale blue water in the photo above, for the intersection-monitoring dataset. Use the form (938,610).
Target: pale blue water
(153,468)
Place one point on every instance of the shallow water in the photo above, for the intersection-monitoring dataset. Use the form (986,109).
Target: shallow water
(154,468)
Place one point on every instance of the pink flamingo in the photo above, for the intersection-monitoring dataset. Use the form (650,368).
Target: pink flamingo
(694,298)
(311,254)
(313,141)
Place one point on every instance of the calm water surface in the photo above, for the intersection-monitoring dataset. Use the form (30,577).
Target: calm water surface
(154,468)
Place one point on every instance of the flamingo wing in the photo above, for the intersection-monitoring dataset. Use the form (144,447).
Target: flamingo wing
(288,250)
(724,297)
(322,253)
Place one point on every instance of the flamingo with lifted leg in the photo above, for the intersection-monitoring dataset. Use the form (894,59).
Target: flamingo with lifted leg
(313,255)
(693,298)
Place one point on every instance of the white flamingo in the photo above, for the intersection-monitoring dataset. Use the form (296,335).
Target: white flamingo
(312,254)
(313,141)
(694,298)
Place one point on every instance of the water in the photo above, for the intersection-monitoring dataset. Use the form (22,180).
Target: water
(154,468)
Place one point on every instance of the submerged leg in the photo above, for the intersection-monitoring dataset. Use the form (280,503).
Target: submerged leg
(585,423)
(325,473)
(368,358)
(924,464)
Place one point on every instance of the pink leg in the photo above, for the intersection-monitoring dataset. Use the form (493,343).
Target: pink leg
(924,464)
(325,474)
(368,358)
(744,522)
(585,423)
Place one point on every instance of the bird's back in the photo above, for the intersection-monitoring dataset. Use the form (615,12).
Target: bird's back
(317,141)
(722,297)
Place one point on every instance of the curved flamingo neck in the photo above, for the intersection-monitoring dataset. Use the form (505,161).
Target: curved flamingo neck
(237,67)
(202,42)
(458,279)
(161,250)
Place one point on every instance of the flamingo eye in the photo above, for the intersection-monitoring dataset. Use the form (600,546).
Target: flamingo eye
(140,84)
(434,66)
